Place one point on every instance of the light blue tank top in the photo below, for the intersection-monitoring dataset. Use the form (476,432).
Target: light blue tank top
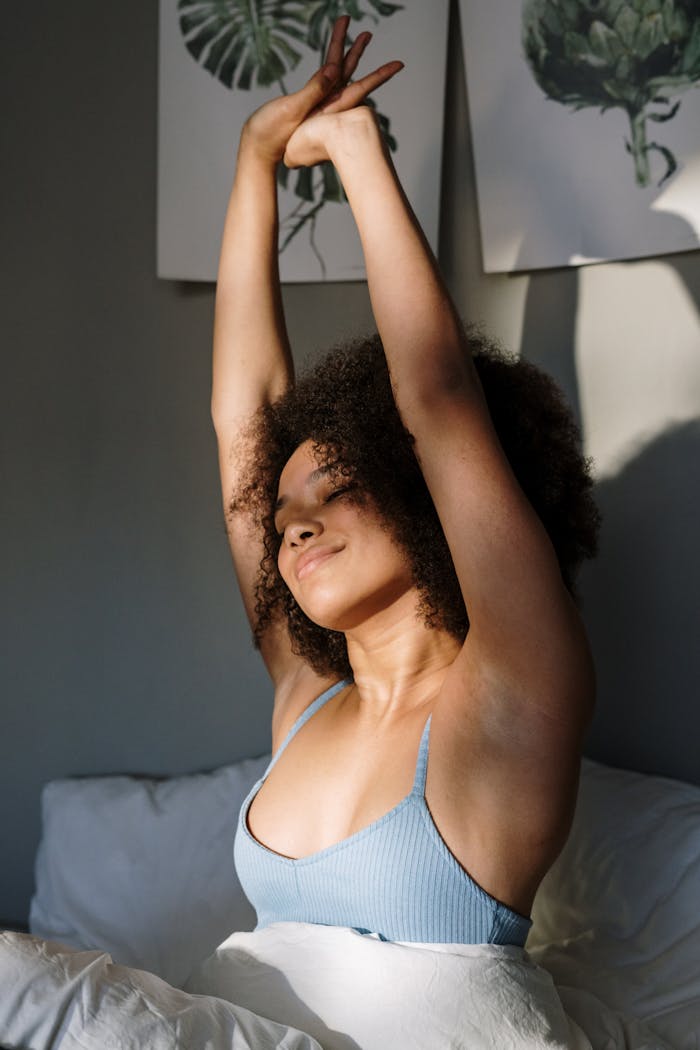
(395,878)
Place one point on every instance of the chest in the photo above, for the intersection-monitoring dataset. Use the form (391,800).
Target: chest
(334,780)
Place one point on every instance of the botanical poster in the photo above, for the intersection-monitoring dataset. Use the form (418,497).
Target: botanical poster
(221,59)
(585,119)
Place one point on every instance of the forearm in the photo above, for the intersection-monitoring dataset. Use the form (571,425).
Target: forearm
(252,362)
(417,321)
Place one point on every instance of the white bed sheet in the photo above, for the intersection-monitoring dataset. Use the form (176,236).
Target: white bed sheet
(354,991)
(296,986)
(55,998)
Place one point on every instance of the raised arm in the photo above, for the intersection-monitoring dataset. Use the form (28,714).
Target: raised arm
(525,633)
(505,562)
(252,363)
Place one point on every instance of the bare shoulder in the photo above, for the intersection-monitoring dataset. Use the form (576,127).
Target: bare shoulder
(294,693)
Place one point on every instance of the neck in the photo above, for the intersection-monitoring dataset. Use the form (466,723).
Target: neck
(398,663)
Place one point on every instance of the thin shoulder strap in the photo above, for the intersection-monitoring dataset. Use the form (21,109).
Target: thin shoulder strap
(422,763)
(305,716)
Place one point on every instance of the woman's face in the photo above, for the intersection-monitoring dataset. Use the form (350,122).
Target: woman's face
(336,556)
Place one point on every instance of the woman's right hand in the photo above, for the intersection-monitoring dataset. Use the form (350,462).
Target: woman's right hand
(270,127)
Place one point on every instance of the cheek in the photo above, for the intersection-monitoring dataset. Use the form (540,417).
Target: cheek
(283,563)
(285,567)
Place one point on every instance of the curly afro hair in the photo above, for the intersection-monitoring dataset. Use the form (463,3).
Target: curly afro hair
(345,406)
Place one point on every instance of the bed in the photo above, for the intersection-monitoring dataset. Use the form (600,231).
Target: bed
(137,897)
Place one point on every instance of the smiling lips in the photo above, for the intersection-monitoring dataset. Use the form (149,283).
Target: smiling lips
(312,558)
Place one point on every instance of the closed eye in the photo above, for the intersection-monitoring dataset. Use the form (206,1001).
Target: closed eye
(338,492)
(342,490)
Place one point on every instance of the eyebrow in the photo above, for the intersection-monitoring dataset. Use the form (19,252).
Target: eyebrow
(314,476)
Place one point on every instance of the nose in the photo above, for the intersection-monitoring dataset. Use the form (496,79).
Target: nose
(298,533)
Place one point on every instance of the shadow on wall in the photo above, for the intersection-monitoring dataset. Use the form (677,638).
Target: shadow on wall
(640,595)
(555,354)
(640,606)
(685,267)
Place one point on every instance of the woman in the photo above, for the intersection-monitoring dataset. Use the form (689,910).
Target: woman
(424,775)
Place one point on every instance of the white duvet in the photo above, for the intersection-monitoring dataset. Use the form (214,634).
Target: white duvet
(295,986)
(56,998)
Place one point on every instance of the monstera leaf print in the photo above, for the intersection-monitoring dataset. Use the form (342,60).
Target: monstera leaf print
(326,186)
(633,55)
(237,40)
(321,15)
(254,43)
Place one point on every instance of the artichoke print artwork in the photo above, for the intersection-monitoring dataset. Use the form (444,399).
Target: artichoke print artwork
(634,55)
(255,43)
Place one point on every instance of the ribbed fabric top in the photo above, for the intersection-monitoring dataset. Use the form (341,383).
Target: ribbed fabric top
(396,877)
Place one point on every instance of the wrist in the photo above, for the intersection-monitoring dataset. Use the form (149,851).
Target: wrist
(254,166)
(351,134)
(252,154)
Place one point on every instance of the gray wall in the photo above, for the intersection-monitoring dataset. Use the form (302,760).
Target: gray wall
(124,647)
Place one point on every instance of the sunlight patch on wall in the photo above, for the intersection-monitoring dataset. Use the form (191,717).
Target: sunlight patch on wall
(638,358)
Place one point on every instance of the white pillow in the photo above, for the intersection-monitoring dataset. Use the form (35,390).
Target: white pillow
(619,912)
(143,868)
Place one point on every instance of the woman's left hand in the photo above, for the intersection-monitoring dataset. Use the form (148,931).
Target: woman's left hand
(309,143)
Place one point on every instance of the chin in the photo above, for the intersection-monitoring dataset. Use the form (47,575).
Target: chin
(327,611)
(326,615)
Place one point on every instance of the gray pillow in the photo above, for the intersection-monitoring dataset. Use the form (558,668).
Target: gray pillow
(143,869)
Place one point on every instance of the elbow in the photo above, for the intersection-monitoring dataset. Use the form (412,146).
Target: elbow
(446,385)
(217,418)
(442,367)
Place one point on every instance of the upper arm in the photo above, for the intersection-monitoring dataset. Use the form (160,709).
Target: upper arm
(247,550)
(521,615)
(518,699)
(520,612)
